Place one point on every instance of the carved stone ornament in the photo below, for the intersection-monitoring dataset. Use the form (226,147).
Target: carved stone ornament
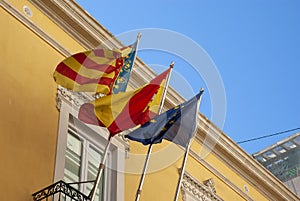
(193,190)
(210,184)
(75,99)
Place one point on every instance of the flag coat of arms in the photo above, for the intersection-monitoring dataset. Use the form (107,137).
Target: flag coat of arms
(121,82)
(93,70)
(118,112)
(177,125)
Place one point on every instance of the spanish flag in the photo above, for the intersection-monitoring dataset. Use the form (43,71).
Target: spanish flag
(93,70)
(119,112)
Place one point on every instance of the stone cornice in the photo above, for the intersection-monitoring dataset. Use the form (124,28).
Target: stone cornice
(220,176)
(74,99)
(71,18)
(203,192)
(35,28)
(239,161)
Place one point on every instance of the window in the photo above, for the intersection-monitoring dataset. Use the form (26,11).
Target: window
(79,151)
(82,162)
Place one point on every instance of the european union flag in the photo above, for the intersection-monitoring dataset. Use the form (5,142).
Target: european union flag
(176,125)
(121,82)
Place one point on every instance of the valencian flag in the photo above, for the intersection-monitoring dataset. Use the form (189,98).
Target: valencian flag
(176,125)
(93,70)
(118,112)
(120,84)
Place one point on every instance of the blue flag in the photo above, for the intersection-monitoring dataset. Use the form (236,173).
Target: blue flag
(176,125)
(121,82)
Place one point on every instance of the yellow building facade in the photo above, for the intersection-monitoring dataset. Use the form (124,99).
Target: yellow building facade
(42,140)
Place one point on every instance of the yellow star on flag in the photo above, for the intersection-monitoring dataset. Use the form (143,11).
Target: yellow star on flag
(152,121)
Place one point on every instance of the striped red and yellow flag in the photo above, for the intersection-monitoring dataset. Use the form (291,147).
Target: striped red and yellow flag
(91,71)
(125,110)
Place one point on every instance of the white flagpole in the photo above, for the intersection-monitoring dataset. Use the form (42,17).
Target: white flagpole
(186,156)
(166,88)
(100,170)
(137,46)
(139,191)
(182,170)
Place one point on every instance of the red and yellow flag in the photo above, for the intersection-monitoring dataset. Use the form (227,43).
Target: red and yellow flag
(91,71)
(125,110)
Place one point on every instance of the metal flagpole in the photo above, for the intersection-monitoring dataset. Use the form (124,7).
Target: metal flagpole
(137,45)
(166,88)
(182,170)
(139,191)
(100,170)
(185,157)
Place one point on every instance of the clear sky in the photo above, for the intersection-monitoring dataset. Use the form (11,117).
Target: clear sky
(254,45)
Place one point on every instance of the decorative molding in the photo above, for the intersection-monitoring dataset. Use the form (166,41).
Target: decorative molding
(58,102)
(75,99)
(77,23)
(220,176)
(27,11)
(210,184)
(239,161)
(66,19)
(198,190)
(213,134)
(34,28)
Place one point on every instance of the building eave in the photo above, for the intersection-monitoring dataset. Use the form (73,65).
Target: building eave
(241,162)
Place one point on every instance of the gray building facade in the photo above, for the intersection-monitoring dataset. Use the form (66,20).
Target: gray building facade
(283,160)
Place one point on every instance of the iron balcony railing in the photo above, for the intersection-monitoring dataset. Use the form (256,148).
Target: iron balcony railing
(59,191)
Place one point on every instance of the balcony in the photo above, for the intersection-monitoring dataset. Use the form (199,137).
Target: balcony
(60,191)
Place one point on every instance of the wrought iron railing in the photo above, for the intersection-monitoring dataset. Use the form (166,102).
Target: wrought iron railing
(59,191)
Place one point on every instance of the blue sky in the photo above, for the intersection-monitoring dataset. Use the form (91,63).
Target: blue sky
(254,44)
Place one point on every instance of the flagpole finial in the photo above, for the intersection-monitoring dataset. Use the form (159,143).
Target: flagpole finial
(172,64)
(139,36)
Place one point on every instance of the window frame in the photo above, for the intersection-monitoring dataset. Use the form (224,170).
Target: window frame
(68,104)
(87,144)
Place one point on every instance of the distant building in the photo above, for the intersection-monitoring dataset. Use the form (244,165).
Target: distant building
(283,160)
